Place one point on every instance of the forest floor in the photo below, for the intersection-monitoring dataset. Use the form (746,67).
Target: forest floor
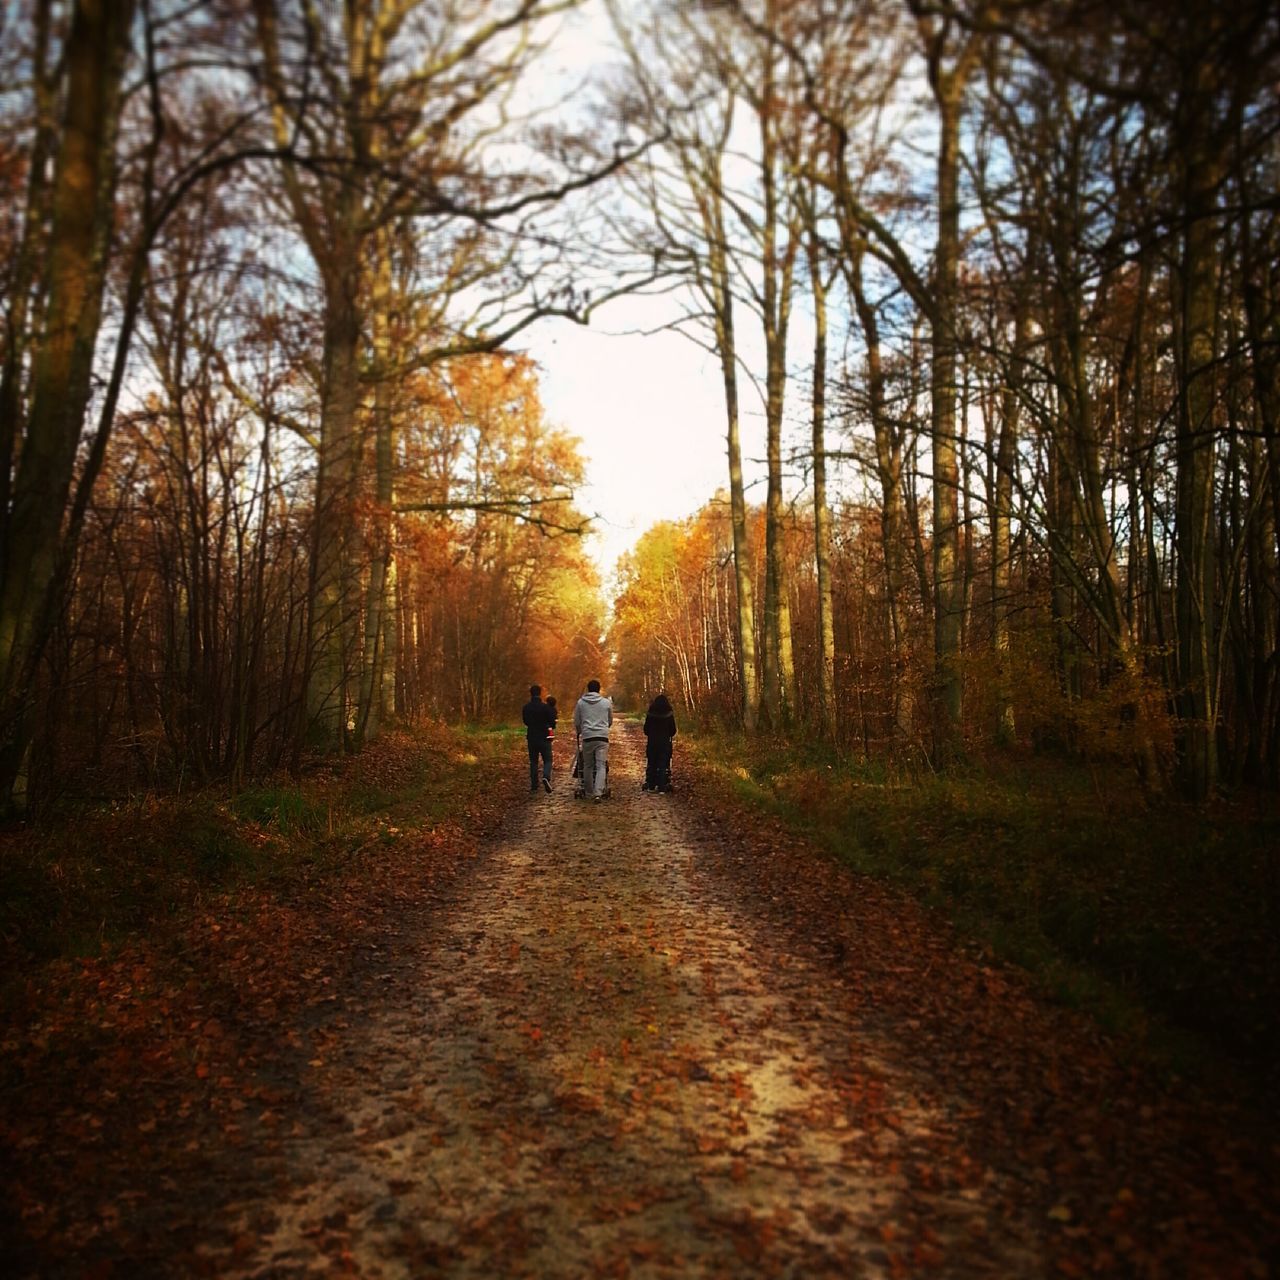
(656,1037)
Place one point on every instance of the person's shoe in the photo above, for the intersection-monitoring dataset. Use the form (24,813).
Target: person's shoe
(546,785)
(597,799)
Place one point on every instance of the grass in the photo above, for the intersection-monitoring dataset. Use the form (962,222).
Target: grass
(1160,920)
(84,882)
(285,808)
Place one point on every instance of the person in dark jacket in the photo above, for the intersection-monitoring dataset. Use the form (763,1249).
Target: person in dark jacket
(539,721)
(659,729)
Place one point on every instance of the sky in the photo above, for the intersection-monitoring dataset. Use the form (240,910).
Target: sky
(646,401)
(649,410)
(647,407)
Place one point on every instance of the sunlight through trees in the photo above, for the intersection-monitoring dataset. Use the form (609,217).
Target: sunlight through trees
(999,280)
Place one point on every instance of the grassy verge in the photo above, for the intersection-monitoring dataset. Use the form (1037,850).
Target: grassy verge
(1162,921)
(82,883)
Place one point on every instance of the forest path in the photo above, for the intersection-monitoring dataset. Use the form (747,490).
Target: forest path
(656,1037)
(601,1063)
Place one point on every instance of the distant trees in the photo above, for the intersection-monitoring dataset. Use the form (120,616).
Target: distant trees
(187,640)
(674,626)
(486,589)
(272,476)
(290,223)
(1058,367)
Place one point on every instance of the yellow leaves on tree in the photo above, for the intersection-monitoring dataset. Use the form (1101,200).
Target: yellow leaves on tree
(502,592)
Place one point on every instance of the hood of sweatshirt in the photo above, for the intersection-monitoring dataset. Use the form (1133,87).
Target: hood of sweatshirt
(593,697)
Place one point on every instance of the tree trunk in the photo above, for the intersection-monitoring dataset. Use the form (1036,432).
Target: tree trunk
(1195,453)
(1263,327)
(82,205)
(379,633)
(779,675)
(1001,527)
(1060,535)
(821,512)
(745,620)
(331,615)
(947,582)
(893,515)
(25,266)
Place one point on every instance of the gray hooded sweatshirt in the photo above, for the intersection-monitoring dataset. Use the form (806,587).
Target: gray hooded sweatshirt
(592,716)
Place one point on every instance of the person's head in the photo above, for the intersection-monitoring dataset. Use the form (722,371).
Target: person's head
(535,690)
(551,702)
(660,706)
(593,686)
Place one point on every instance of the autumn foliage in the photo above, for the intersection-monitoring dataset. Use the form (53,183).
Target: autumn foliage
(265,438)
(185,647)
(673,629)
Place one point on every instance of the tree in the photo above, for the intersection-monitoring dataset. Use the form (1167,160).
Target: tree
(818,286)
(393,135)
(691,210)
(74,256)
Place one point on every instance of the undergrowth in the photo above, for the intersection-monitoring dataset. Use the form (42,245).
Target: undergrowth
(80,882)
(1160,919)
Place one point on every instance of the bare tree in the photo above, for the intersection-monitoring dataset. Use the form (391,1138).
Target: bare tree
(694,104)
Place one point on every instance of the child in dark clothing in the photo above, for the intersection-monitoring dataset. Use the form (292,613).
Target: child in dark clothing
(659,729)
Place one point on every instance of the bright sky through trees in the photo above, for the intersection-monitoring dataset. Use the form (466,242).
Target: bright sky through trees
(268,484)
(649,410)
(646,402)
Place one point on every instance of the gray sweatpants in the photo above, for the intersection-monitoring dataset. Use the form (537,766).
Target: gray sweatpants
(595,755)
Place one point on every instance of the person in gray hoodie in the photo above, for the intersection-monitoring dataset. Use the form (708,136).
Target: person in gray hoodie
(592,718)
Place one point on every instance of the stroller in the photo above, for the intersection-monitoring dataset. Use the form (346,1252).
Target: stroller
(583,787)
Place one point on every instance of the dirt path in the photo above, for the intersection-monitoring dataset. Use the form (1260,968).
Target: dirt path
(596,1067)
(641,1041)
